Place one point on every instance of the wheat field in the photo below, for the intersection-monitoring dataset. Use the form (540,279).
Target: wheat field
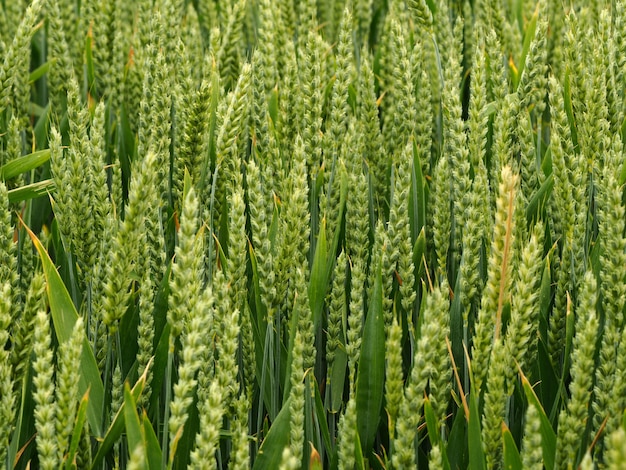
(279,234)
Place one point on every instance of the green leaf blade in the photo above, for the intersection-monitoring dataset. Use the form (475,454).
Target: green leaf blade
(371,373)
(64,316)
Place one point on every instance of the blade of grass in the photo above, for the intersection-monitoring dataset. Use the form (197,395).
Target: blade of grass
(456,447)
(31,191)
(569,110)
(153,449)
(131,419)
(39,72)
(117,425)
(474,436)
(315,461)
(23,164)
(270,452)
(569,339)
(419,248)
(320,415)
(318,284)
(24,431)
(64,317)
(531,26)
(417,201)
(548,436)
(432,427)
(81,417)
(474,442)
(338,378)
(358,453)
(539,199)
(466,408)
(512,459)
(371,369)
(91,74)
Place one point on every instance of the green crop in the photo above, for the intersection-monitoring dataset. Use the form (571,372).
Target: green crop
(314,234)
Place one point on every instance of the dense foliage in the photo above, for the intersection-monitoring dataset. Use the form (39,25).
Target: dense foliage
(324,233)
